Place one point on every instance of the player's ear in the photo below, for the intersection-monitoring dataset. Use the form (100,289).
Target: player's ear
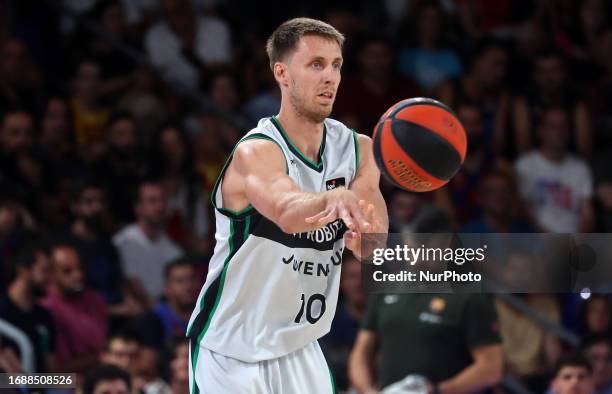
(280,73)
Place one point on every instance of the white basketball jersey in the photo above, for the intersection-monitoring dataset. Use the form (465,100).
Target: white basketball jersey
(269,293)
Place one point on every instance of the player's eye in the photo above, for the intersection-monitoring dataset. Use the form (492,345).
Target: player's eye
(337,66)
(317,65)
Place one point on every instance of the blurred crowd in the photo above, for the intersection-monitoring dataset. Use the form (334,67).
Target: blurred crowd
(117,115)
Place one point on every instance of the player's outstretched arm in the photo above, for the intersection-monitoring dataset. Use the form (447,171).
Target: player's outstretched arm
(257,175)
(366,183)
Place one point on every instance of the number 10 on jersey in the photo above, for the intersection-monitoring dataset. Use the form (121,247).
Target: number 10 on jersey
(308,306)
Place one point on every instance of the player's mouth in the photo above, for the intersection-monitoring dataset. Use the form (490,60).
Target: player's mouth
(326,97)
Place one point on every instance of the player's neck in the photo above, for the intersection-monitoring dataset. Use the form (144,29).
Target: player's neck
(304,134)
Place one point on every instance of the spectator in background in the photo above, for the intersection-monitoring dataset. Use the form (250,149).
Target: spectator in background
(572,375)
(20,81)
(556,185)
(260,84)
(144,103)
(31,271)
(168,320)
(15,133)
(460,197)
(56,138)
(79,313)
(594,317)
(208,153)
(121,166)
(179,367)
(364,97)
(429,63)
(483,86)
(115,66)
(123,350)
(529,350)
(404,210)
(172,163)
(414,332)
(89,233)
(552,88)
(90,116)
(16,225)
(598,350)
(337,344)
(185,45)
(603,189)
(107,379)
(144,247)
(498,205)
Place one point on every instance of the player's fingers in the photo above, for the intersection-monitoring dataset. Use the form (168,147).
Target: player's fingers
(360,219)
(370,214)
(330,217)
(315,218)
(345,215)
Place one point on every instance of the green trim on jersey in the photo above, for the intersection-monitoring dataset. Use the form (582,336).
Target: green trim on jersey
(232,214)
(235,241)
(317,167)
(333,382)
(357,150)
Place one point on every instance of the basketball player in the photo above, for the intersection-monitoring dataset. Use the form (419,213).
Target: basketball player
(295,191)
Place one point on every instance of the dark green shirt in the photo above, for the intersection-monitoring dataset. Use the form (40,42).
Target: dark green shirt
(429,334)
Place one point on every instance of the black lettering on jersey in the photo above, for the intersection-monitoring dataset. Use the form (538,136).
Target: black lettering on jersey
(320,239)
(334,183)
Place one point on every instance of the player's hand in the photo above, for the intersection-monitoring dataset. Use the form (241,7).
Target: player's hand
(342,204)
(352,238)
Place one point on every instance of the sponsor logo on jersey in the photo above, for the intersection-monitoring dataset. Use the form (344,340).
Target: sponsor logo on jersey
(334,183)
(324,234)
(311,267)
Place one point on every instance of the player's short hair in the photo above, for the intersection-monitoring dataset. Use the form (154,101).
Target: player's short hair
(572,360)
(285,38)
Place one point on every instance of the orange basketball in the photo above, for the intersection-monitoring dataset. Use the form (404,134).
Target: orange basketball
(419,144)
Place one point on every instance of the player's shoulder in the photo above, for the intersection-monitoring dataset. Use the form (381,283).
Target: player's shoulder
(334,126)
(258,144)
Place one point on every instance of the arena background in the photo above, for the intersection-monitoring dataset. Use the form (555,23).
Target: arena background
(118,115)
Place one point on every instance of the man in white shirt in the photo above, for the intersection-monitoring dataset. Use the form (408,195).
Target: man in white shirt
(182,44)
(556,185)
(143,246)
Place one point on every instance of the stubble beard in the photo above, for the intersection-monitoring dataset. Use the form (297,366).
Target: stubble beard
(301,108)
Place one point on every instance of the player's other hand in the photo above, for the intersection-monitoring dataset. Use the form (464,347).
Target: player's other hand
(342,204)
(352,238)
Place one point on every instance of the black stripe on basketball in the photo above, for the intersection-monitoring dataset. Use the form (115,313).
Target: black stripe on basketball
(378,157)
(419,142)
(419,101)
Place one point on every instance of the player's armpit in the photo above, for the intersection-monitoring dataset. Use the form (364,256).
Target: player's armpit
(366,183)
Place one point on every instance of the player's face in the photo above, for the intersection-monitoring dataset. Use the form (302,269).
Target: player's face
(313,76)
(572,380)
